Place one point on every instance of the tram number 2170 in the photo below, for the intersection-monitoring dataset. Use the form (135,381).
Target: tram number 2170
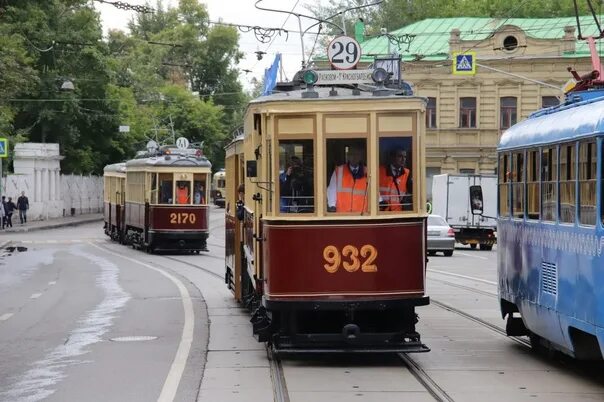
(182,217)
(349,258)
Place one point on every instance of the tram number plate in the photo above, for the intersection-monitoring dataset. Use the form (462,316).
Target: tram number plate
(350,258)
(182,218)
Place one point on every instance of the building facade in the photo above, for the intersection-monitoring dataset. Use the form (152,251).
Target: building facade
(521,67)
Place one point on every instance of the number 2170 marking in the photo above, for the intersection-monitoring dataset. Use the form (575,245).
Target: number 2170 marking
(335,259)
(182,217)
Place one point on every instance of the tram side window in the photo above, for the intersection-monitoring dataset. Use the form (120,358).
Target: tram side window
(587,183)
(549,182)
(396,182)
(518,185)
(568,177)
(200,188)
(504,179)
(154,190)
(183,192)
(346,175)
(296,177)
(165,188)
(532,185)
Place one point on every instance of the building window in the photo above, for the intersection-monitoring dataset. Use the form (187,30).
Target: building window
(568,177)
(587,183)
(508,111)
(467,112)
(467,171)
(549,101)
(510,43)
(431,113)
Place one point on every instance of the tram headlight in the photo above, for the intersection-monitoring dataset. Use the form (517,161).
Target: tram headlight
(379,75)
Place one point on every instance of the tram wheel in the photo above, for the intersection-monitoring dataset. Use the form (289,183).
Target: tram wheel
(473,246)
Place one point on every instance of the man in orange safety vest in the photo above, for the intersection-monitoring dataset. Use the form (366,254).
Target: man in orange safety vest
(395,182)
(347,190)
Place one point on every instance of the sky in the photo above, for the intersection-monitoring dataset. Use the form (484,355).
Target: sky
(243,12)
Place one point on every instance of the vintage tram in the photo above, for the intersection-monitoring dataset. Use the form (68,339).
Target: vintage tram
(162,200)
(326,219)
(218,187)
(114,179)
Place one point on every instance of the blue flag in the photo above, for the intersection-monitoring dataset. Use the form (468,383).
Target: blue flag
(270,75)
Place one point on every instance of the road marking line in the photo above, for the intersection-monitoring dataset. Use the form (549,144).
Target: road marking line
(462,276)
(27,241)
(168,392)
(470,255)
(6,316)
(35,295)
(51,241)
(52,283)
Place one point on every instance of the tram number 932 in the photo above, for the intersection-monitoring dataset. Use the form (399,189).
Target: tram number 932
(182,218)
(349,259)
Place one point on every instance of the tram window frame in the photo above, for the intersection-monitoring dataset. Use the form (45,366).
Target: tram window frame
(387,145)
(307,161)
(163,177)
(533,193)
(567,204)
(549,183)
(203,179)
(518,181)
(154,191)
(337,150)
(588,178)
(187,183)
(504,206)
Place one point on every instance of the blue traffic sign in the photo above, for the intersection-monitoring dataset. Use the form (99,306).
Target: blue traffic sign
(3,147)
(464,63)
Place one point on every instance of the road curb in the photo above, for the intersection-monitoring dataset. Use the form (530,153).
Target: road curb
(25,229)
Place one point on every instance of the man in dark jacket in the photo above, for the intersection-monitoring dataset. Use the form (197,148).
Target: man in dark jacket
(9,207)
(23,206)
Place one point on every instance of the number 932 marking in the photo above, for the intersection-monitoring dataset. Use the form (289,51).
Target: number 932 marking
(182,217)
(349,258)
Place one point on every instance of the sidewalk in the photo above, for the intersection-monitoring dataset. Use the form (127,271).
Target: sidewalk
(50,224)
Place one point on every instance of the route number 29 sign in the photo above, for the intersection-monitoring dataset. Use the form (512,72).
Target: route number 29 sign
(344,53)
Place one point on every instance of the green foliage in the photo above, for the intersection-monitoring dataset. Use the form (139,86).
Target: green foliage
(172,75)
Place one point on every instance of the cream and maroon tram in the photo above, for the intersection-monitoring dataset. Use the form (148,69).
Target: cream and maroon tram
(326,219)
(166,204)
(114,179)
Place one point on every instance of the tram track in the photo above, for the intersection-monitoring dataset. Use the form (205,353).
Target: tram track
(424,378)
(469,288)
(280,393)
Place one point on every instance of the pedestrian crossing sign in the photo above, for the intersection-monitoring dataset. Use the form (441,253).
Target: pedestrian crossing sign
(3,147)
(464,63)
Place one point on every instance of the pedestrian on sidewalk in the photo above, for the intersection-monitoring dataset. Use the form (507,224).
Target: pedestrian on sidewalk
(2,214)
(8,210)
(23,206)
(4,211)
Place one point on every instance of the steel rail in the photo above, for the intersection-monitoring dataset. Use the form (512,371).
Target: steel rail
(423,378)
(195,266)
(280,393)
(471,289)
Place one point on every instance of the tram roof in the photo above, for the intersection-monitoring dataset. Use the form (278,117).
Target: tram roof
(556,124)
(115,167)
(173,160)
(344,93)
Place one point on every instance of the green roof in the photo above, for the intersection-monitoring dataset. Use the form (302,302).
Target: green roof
(431,36)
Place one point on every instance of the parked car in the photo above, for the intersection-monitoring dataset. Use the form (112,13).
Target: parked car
(441,236)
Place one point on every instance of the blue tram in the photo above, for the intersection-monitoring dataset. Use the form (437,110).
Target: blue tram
(550,227)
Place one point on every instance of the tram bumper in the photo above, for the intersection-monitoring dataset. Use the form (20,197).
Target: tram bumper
(340,327)
(178,241)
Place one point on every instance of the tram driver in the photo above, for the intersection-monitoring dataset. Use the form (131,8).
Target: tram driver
(395,182)
(347,190)
(295,188)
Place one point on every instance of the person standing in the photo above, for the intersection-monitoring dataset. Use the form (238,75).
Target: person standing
(347,190)
(9,207)
(23,206)
(2,214)
(395,183)
(4,217)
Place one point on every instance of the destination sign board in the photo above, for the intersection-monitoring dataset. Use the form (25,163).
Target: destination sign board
(334,77)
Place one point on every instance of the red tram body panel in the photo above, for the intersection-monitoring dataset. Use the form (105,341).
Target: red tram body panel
(382,260)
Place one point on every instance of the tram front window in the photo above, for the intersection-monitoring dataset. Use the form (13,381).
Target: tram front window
(296,176)
(165,188)
(396,182)
(183,192)
(199,189)
(347,176)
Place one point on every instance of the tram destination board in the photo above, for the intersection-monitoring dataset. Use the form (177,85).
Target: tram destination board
(333,77)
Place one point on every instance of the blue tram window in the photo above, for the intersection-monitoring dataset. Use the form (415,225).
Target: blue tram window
(549,183)
(568,177)
(587,183)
